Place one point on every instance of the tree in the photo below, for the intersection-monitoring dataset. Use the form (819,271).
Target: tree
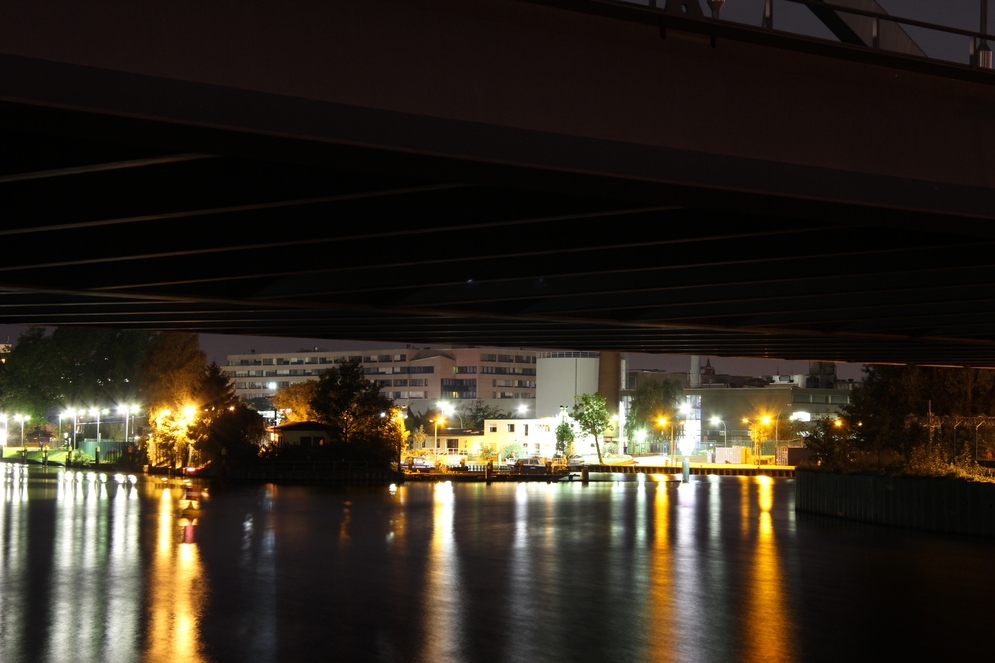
(29,382)
(171,374)
(294,400)
(888,413)
(72,367)
(475,415)
(651,401)
(564,437)
(224,427)
(360,421)
(233,436)
(171,370)
(831,443)
(590,411)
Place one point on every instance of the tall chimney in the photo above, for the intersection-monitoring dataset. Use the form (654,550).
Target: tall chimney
(694,377)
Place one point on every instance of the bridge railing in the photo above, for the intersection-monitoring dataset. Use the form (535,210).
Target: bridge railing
(770,18)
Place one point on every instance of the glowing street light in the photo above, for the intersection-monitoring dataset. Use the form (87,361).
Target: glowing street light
(663,422)
(449,409)
(725,432)
(22,418)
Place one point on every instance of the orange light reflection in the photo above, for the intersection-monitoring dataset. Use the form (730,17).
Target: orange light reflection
(176,591)
(661,637)
(767,639)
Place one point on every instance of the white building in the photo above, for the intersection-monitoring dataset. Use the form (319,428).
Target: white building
(565,375)
(415,376)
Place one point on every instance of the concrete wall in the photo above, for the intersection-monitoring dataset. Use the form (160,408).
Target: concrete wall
(937,505)
(559,379)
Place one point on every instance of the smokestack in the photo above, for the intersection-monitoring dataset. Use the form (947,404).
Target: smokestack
(694,377)
(610,378)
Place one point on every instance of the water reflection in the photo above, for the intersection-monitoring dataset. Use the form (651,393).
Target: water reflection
(443,598)
(659,618)
(767,629)
(714,570)
(176,587)
(73,572)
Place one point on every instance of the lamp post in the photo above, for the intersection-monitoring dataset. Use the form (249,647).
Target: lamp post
(663,421)
(127,411)
(437,421)
(96,411)
(725,432)
(3,441)
(22,418)
(74,413)
(755,442)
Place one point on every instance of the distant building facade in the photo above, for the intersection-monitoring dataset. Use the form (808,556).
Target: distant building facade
(411,376)
(731,405)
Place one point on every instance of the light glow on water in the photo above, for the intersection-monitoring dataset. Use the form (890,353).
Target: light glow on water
(713,570)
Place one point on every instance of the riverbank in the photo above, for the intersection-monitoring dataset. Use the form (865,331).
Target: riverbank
(948,506)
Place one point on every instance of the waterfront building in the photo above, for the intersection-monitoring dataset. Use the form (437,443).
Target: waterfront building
(731,407)
(413,377)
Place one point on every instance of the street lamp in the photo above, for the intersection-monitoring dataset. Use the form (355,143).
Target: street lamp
(725,432)
(22,418)
(127,411)
(449,409)
(663,421)
(437,421)
(72,412)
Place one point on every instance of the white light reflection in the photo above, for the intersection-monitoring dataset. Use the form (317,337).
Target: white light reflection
(687,577)
(13,572)
(257,560)
(443,596)
(124,579)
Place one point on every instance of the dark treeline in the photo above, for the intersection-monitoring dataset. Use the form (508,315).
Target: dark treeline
(920,420)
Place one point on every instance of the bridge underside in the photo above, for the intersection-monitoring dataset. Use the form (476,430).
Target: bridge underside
(173,219)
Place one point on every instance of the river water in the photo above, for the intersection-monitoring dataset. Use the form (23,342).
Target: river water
(719,569)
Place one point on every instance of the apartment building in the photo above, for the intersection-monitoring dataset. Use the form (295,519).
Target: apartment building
(407,375)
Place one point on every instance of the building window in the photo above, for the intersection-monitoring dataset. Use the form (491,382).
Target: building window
(488,357)
(511,428)
(526,426)
(492,428)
